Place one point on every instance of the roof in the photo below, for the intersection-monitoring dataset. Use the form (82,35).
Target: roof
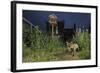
(24,19)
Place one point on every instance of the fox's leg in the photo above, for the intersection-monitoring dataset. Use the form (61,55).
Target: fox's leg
(69,49)
(74,51)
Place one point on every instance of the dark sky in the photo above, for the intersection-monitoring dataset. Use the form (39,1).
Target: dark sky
(69,18)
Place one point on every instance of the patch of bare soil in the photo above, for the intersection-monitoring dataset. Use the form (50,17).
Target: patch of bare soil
(67,56)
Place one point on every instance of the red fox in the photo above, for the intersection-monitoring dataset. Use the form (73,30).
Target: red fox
(72,47)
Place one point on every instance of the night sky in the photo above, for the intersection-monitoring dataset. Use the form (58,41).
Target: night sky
(69,18)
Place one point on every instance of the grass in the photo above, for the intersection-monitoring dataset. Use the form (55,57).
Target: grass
(44,48)
(83,40)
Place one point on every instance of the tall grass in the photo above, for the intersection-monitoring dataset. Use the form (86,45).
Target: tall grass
(83,40)
(43,47)
(39,46)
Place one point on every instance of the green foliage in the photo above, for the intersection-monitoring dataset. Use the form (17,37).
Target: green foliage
(26,51)
(85,54)
(39,46)
(83,40)
(41,40)
(43,47)
(36,38)
(26,34)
